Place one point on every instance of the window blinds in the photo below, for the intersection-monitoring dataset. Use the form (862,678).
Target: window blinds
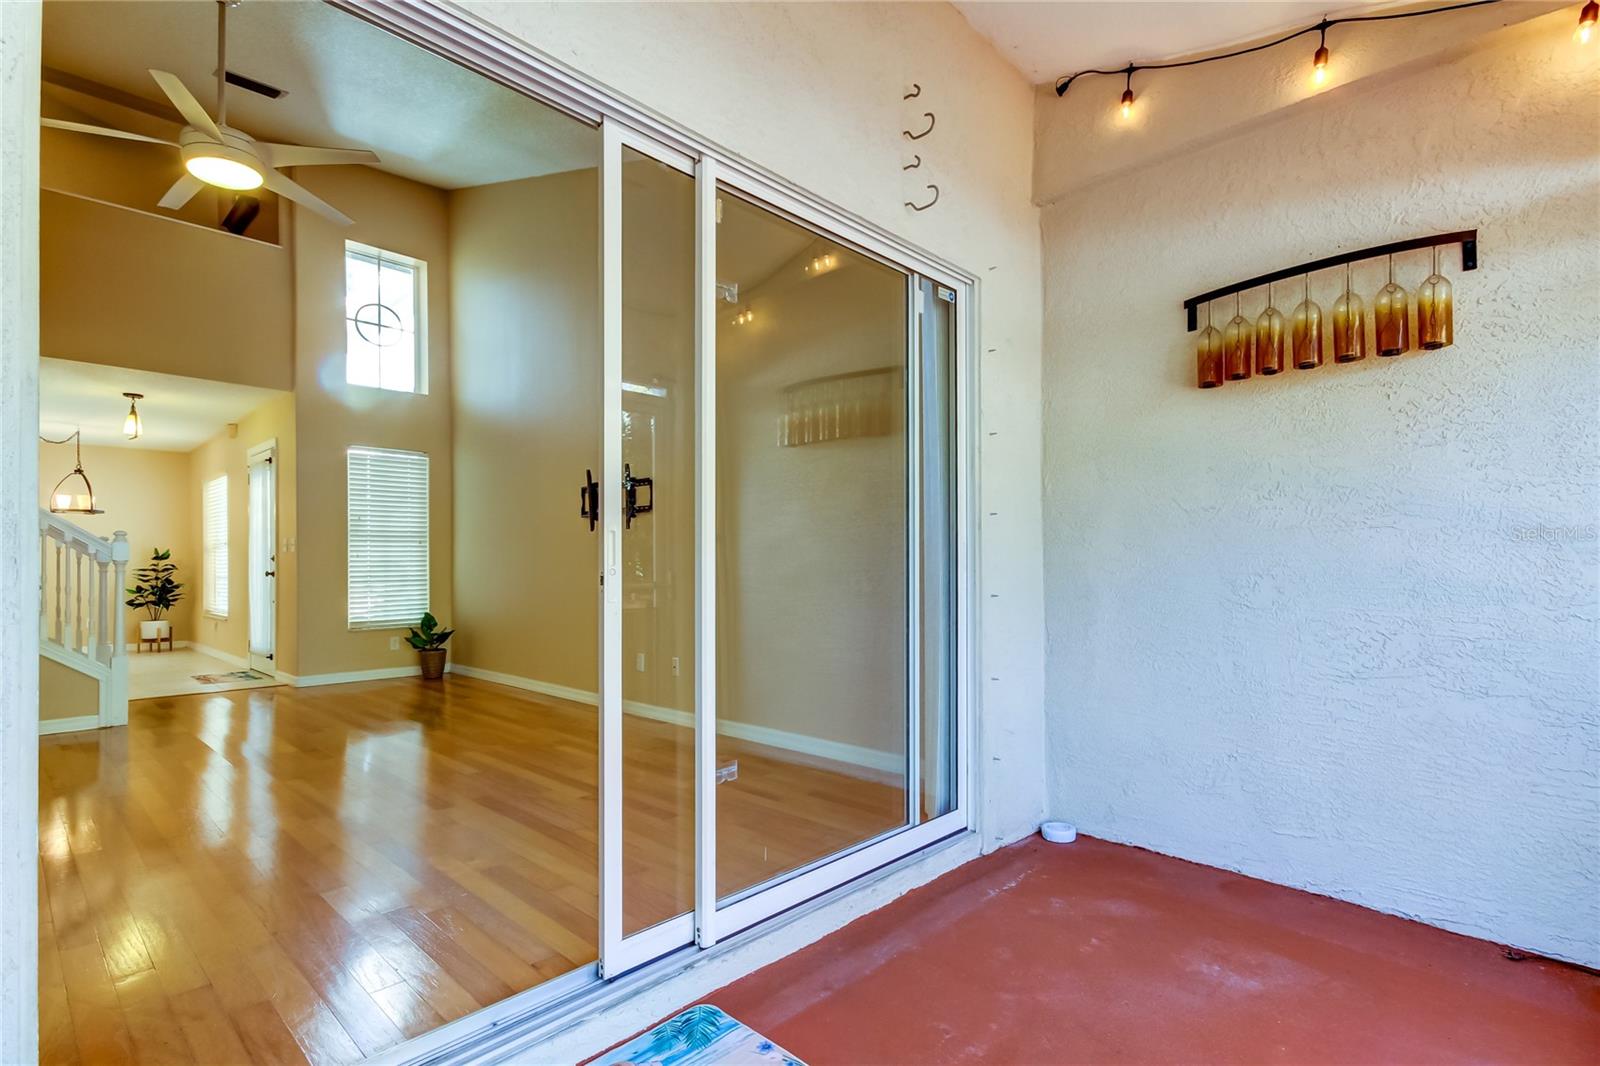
(214,545)
(388,537)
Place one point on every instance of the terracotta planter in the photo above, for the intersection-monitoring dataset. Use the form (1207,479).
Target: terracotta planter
(432,663)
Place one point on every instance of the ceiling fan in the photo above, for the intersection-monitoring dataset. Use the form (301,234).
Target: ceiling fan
(215,153)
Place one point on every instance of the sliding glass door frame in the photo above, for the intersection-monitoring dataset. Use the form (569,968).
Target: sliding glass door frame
(711,921)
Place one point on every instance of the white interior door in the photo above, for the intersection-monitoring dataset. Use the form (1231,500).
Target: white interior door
(262,520)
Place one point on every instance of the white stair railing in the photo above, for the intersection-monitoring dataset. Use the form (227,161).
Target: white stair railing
(81,579)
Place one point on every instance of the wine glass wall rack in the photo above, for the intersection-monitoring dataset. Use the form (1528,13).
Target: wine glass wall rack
(1467,238)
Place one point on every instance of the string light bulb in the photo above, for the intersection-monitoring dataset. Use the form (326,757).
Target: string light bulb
(1127,95)
(1586,20)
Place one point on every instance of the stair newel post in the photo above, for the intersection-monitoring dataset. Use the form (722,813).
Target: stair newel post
(118,704)
(102,632)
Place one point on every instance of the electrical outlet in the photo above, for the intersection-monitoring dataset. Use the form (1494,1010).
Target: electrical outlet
(638,662)
(394,643)
(674,666)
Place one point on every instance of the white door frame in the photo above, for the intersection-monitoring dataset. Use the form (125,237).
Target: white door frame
(263,576)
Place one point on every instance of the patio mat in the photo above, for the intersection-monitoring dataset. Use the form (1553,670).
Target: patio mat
(700,1036)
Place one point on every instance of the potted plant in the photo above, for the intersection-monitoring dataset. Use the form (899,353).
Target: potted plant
(429,640)
(155,593)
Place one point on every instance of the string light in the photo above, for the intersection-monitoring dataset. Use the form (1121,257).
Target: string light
(1586,21)
(1319,62)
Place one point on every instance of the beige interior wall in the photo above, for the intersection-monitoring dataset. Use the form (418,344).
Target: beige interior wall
(178,299)
(227,454)
(144,493)
(811,580)
(412,219)
(526,344)
(66,693)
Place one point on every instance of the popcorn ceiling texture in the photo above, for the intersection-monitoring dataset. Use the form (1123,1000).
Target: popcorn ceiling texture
(1338,629)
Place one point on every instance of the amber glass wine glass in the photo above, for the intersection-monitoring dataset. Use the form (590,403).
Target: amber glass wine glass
(1306,332)
(1270,335)
(1391,319)
(1349,324)
(1238,342)
(1208,355)
(1435,315)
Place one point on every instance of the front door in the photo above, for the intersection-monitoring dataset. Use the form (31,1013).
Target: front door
(262,520)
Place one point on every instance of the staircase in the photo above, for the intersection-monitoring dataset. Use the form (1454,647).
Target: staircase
(81,578)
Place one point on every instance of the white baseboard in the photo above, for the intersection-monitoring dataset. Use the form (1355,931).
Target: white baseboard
(349,676)
(882,762)
(217,653)
(50,726)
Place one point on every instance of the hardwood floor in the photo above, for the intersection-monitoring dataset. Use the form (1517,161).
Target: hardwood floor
(290,875)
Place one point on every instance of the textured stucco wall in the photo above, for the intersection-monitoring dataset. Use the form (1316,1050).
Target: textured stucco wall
(1338,629)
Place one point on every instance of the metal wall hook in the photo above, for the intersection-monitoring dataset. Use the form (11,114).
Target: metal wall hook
(916,91)
(918,136)
(930,203)
(913,166)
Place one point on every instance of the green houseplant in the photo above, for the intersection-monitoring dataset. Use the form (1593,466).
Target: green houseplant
(429,641)
(155,592)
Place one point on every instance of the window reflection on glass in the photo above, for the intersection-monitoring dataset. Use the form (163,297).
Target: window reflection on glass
(382,293)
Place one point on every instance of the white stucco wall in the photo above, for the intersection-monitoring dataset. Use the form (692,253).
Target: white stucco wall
(1338,629)
(814,92)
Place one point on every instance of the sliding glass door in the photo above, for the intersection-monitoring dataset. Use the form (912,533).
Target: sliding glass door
(781,562)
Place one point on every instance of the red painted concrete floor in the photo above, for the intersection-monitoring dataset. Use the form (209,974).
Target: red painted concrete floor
(1094,953)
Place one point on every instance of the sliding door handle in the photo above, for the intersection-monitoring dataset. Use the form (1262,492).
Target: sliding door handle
(589,499)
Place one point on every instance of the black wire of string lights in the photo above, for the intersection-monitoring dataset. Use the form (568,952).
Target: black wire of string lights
(1319,62)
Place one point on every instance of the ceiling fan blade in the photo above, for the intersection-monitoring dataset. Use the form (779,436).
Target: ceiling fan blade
(102,131)
(182,192)
(305,197)
(187,105)
(302,155)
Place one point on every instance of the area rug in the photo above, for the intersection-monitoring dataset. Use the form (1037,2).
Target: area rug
(232,675)
(700,1036)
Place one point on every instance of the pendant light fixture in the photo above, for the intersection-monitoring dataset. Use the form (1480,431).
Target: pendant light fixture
(65,497)
(1270,334)
(133,425)
(1208,355)
(1349,324)
(1238,343)
(1391,318)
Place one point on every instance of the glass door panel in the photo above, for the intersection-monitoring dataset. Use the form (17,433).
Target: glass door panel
(812,545)
(657,541)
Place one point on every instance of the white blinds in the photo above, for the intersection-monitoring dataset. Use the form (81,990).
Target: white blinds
(388,537)
(214,545)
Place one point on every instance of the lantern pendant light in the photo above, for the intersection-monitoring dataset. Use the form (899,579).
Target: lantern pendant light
(1435,314)
(63,498)
(1349,325)
(1270,334)
(1391,320)
(1208,355)
(1306,334)
(1238,340)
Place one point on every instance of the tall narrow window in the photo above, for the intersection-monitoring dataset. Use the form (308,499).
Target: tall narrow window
(388,556)
(214,542)
(384,297)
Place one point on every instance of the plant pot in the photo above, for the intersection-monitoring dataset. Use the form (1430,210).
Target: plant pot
(160,629)
(432,663)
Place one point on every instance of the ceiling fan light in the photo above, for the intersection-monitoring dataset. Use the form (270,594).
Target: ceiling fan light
(223,172)
(133,425)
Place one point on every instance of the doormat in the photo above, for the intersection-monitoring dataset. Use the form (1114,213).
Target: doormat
(700,1036)
(232,675)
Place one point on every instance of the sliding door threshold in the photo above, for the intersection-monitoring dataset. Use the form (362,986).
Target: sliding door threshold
(504,1032)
